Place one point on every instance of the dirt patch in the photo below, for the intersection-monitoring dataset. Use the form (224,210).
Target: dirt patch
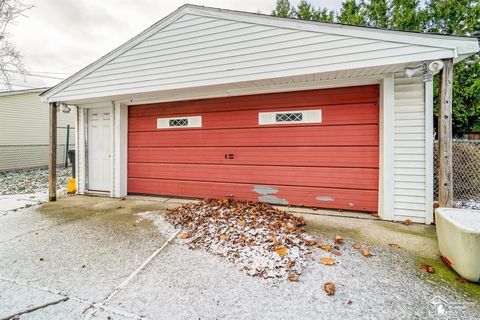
(117,213)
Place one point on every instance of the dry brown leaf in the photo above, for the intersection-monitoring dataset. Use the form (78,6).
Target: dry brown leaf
(338,239)
(394,245)
(357,246)
(366,253)
(462,280)
(293,277)
(327,261)
(407,222)
(329,288)
(184,235)
(281,250)
(427,268)
(242,223)
(336,252)
(289,264)
(223,237)
(324,246)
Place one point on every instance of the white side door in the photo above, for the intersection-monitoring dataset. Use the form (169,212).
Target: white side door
(99,149)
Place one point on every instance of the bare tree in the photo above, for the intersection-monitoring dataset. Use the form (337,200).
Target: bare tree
(10,59)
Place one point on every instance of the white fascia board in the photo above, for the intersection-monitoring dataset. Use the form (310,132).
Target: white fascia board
(464,45)
(45,96)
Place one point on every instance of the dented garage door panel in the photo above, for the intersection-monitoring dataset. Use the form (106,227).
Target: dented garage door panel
(332,164)
(345,199)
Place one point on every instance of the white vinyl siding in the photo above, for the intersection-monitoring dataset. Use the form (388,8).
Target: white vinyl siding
(24,131)
(197,50)
(410,150)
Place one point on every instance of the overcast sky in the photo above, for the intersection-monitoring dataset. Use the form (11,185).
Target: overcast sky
(62,36)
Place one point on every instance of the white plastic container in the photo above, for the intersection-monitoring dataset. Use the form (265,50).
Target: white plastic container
(458,233)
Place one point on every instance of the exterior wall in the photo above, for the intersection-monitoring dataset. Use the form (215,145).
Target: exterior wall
(24,131)
(411,172)
(198,50)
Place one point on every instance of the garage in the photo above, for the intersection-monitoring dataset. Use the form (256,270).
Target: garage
(314,148)
(213,103)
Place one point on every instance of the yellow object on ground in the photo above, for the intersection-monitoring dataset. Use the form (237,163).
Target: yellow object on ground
(72,185)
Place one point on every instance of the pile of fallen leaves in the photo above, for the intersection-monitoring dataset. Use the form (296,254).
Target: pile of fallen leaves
(260,239)
(263,241)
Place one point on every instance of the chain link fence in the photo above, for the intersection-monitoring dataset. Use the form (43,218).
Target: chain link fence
(466,173)
(14,157)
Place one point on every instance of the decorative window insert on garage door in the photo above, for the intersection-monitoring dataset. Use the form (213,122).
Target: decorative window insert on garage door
(327,159)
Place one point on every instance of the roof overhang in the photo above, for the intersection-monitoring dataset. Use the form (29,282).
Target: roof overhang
(445,46)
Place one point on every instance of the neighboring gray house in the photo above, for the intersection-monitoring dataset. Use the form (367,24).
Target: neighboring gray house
(24,130)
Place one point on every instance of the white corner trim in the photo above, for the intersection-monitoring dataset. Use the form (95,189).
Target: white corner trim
(112,148)
(429,151)
(386,198)
(296,116)
(77,139)
(81,151)
(120,149)
(179,122)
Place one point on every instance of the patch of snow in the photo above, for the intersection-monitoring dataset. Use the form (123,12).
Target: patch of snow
(31,180)
(13,202)
(467,204)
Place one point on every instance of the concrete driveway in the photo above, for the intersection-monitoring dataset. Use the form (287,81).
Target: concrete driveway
(101,258)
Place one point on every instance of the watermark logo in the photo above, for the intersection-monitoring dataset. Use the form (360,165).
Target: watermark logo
(438,306)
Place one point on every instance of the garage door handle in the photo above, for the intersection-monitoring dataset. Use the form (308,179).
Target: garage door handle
(229,156)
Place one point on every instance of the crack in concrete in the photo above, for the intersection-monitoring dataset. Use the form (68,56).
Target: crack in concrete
(39,229)
(32,309)
(93,308)
(64,299)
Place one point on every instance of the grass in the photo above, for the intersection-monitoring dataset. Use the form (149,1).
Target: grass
(444,274)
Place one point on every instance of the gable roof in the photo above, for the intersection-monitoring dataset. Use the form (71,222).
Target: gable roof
(167,54)
(22,91)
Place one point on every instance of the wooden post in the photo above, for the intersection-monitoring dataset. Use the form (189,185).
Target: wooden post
(445,170)
(52,154)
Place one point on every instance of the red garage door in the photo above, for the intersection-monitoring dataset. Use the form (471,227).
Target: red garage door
(315,148)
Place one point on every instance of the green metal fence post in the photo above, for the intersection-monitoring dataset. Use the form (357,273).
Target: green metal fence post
(66,145)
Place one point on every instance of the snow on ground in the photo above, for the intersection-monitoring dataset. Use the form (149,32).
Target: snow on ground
(85,247)
(31,180)
(27,187)
(13,202)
